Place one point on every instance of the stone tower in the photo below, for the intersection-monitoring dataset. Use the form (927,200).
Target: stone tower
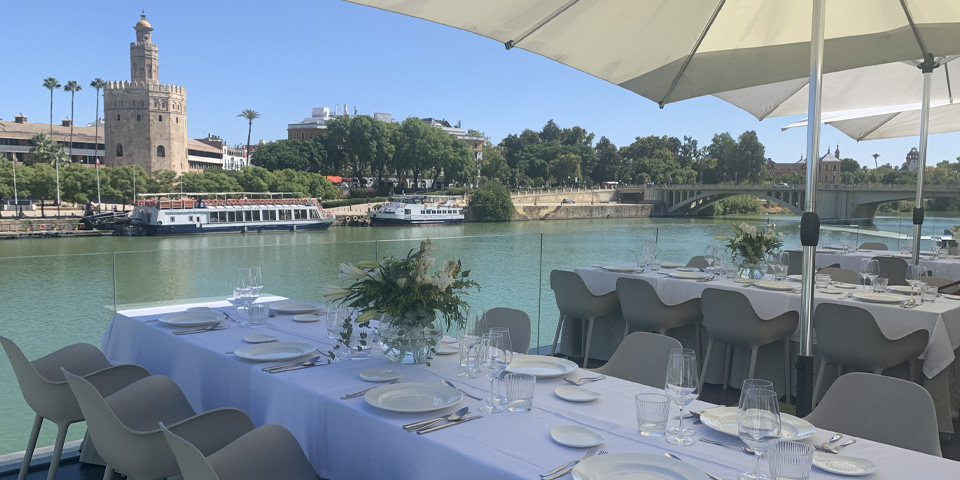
(145,120)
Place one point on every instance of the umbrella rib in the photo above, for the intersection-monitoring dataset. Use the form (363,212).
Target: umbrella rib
(913,26)
(780,102)
(693,51)
(542,22)
(946,71)
(877,127)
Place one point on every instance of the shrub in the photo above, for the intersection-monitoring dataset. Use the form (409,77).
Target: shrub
(362,193)
(491,203)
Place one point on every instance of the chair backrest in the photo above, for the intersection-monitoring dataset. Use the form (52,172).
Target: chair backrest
(698,262)
(883,409)
(836,324)
(874,246)
(838,274)
(941,282)
(796,262)
(641,358)
(728,317)
(574,299)
(193,465)
(516,320)
(643,310)
(894,269)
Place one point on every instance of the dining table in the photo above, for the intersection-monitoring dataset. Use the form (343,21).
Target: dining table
(944,267)
(356,439)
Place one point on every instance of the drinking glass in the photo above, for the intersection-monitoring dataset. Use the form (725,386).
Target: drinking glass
(791,461)
(494,359)
(753,383)
(758,422)
(467,339)
(256,279)
(879,284)
(681,386)
(507,344)
(648,251)
(710,255)
(928,293)
(826,238)
(236,288)
(845,241)
(868,267)
(915,277)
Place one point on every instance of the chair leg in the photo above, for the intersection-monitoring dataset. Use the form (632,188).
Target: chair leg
(556,338)
(706,363)
(816,387)
(108,473)
(912,371)
(727,366)
(586,348)
(57,451)
(698,346)
(31,446)
(787,370)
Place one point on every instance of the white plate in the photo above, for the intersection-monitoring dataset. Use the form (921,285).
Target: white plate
(670,265)
(260,338)
(620,269)
(413,397)
(635,466)
(307,318)
(379,375)
(848,286)
(573,393)
(688,275)
(295,306)
(951,297)
(878,297)
(842,464)
(274,352)
(541,366)
(192,319)
(830,290)
(448,339)
(575,436)
(795,278)
(200,309)
(447,349)
(744,280)
(772,285)
(686,269)
(905,289)
(724,420)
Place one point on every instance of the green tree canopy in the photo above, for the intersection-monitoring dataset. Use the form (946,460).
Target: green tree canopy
(304,155)
(491,203)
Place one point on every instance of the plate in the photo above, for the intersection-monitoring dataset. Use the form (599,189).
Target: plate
(200,309)
(795,278)
(830,290)
(541,366)
(635,465)
(771,285)
(413,397)
(197,318)
(849,286)
(447,349)
(905,289)
(621,269)
(573,393)
(575,436)
(295,306)
(724,420)
(948,296)
(379,375)
(878,297)
(260,338)
(670,265)
(448,339)
(687,275)
(307,318)
(274,352)
(744,280)
(842,464)
(686,269)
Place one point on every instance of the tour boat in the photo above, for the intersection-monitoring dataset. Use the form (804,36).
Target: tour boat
(418,210)
(156,215)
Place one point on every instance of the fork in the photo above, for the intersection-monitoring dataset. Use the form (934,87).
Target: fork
(567,469)
(580,381)
(363,392)
(588,454)
(825,447)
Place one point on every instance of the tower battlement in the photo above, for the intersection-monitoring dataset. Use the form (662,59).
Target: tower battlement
(155,87)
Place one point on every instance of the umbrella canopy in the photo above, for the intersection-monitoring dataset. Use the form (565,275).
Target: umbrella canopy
(891,122)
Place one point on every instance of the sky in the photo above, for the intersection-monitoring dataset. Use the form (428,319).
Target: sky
(284,57)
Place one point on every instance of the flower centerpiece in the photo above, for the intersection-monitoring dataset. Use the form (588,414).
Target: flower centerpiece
(408,299)
(749,247)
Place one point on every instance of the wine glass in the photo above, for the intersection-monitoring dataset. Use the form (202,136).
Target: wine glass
(681,386)
(874,270)
(915,276)
(845,241)
(256,279)
(758,422)
(508,345)
(867,267)
(648,251)
(249,292)
(826,238)
(710,255)
(236,288)
(494,359)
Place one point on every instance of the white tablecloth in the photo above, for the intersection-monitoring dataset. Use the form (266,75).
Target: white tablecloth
(944,267)
(349,439)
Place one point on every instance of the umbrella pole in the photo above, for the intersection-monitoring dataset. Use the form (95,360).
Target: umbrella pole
(927,68)
(810,223)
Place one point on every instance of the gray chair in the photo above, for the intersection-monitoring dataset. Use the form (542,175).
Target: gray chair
(729,318)
(698,262)
(270,451)
(124,425)
(945,285)
(47,393)
(894,269)
(845,275)
(874,246)
(575,300)
(644,311)
(642,358)
(835,326)
(796,262)
(516,320)
(882,409)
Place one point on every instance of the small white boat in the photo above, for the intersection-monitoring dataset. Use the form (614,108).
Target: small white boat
(418,210)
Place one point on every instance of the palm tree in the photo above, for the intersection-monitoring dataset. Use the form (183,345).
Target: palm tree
(52,84)
(97,83)
(250,115)
(875,156)
(73,87)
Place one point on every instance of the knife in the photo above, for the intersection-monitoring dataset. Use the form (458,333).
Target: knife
(296,367)
(197,330)
(445,425)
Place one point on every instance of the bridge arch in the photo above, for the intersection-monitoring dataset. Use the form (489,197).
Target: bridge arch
(682,202)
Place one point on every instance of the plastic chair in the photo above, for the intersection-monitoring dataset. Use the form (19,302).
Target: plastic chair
(952,287)
(883,409)
(835,326)
(796,262)
(874,246)
(698,262)
(845,275)
(270,451)
(516,320)
(644,311)
(124,425)
(575,300)
(641,358)
(894,269)
(46,392)
(729,318)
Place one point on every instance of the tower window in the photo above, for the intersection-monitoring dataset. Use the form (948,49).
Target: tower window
(119,150)
(301,135)
(118,117)
(161,118)
(177,119)
(138,117)
(160,151)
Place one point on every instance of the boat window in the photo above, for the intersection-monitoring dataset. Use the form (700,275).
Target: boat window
(214,218)
(406,211)
(284,214)
(190,219)
(271,215)
(173,219)
(248,216)
(231,217)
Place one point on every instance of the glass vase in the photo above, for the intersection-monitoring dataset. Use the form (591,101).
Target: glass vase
(409,345)
(753,271)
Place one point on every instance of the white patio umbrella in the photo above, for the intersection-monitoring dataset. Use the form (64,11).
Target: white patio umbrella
(890,122)
(669,50)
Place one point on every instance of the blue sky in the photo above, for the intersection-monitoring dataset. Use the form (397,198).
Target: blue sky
(283,57)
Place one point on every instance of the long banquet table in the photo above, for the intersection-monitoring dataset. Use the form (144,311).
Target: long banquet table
(948,267)
(350,439)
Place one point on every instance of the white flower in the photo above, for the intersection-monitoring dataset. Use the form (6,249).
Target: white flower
(349,272)
(334,292)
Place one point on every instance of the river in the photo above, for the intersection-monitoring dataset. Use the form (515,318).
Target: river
(61,291)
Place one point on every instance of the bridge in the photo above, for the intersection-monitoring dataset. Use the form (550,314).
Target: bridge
(833,201)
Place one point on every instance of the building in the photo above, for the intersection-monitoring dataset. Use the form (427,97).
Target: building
(232,158)
(913,159)
(16,139)
(829,168)
(475,142)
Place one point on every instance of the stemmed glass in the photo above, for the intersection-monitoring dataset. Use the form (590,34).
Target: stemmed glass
(710,255)
(467,339)
(494,359)
(681,386)
(504,333)
(250,290)
(758,422)
(235,287)
(256,279)
(869,268)
(874,271)
(648,251)
(845,241)
(915,276)
(826,238)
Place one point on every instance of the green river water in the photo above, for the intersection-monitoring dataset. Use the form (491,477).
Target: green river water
(55,292)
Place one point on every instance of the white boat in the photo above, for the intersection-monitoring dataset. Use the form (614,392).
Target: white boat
(156,214)
(418,210)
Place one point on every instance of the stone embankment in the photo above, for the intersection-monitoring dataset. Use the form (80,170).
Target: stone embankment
(35,227)
(586,204)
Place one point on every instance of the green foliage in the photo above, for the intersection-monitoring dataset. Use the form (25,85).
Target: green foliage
(457,191)
(300,155)
(741,205)
(362,193)
(750,244)
(491,203)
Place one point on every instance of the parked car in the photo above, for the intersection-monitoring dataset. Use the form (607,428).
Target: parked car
(782,185)
(568,200)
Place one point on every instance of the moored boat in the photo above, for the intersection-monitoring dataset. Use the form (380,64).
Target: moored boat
(418,210)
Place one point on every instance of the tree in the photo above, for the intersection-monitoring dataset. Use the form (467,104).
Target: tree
(73,87)
(294,154)
(421,147)
(494,166)
(42,184)
(386,148)
(609,162)
(44,150)
(565,169)
(97,84)
(250,115)
(52,84)
(875,157)
(491,203)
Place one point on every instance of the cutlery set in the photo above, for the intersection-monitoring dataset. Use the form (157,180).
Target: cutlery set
(580,381)
(312,362)
(825,446)
(434,424)
(566,467)
(209,328)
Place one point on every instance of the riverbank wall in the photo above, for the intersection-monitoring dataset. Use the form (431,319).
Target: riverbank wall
(578,212)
